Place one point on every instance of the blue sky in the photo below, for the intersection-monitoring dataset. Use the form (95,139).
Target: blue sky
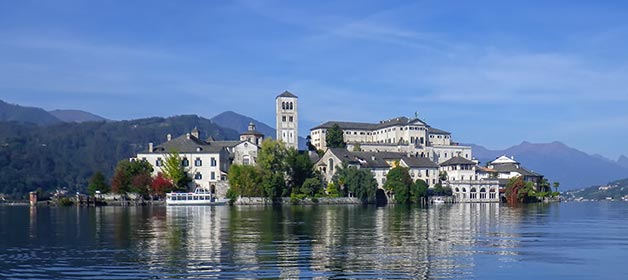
(493,73)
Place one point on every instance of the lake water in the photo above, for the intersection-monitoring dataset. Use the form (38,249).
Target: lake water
(461,241)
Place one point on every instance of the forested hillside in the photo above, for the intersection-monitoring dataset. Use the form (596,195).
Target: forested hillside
(67,154)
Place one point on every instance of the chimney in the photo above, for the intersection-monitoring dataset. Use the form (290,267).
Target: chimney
(150,147)
(187,135)
(169,137)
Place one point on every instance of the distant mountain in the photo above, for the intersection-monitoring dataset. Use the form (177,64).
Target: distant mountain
(623,161)
(240,123)
(67,154)
(21,114)
(558,162)
(615,190)
(76,116)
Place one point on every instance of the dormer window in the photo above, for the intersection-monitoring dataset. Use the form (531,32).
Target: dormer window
(199,149)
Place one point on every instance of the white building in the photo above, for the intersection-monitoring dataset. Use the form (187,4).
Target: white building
(413,137)
(379,163)
(287,119)
(206,162)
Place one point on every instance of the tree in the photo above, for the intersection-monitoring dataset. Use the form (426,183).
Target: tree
(160,185)
(299,168)
(556,185)
(335,137)
(359,182)
(418,190)
(398,181)
(311,186)
(310,147)
(519,191)
(126,171)
(357,147)
(97,183)
(141,183)
(272,164)
(245,180)
(175,171)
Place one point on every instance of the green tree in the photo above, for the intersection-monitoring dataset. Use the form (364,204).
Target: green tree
(245,180)
(97,183)
(359,182)
(556,185)
(332,190)
(357,147)
(335,137)
(299,168)
(311,186)
(398,181)
(271,160)
(418,190)
(174,171)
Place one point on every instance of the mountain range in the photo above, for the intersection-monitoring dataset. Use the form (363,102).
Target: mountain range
(559,162)
(21,114)
(240,123)
(78,135)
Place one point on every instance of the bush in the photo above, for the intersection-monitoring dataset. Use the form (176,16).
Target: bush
(232,196)
(64,201)
(296,198)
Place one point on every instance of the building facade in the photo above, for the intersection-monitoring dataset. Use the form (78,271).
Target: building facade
(413,137)
(206,162)
(287,119)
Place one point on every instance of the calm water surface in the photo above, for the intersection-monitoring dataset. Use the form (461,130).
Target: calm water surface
(480,241)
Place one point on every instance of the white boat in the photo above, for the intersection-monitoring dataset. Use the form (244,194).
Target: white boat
(198,197)
(438,200)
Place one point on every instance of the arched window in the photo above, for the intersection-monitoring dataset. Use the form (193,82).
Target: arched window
(482,193)
(283,105)
(473,194)
(212,189)
(331,165)
(291,106)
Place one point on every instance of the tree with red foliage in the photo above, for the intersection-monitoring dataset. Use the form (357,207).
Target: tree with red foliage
(161,185)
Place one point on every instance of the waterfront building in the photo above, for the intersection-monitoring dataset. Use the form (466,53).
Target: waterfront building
(287,119)
(507,168)
(379,163)
(413,137)
(206,162)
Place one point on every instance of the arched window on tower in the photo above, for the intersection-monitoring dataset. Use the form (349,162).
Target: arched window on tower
(291,107)
(283,105)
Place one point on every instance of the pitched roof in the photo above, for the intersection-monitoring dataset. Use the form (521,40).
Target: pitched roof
(286,94)
(433,130)
(511,167)
(252,132)
(187,144)
(503,160)
(399,121)
(457,161)
(419,162)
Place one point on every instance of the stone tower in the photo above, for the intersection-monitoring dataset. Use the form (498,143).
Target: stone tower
(287,119)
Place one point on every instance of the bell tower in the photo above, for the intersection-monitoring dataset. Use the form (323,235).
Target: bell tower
(286,108)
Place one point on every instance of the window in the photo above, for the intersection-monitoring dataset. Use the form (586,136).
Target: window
(283,105)
(246,160)
(185,162)
(291,119)
(283,118)
(213,162)
(159,162)
(291,107)
(213,175)
(198,176)
(198,162)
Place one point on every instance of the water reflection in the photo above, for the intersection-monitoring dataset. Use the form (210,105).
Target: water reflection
(446,241)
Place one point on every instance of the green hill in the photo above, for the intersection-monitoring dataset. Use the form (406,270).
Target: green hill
(615,190)
(67,154)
